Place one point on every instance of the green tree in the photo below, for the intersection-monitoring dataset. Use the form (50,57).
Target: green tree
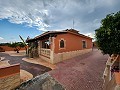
(17,46)
(108,35)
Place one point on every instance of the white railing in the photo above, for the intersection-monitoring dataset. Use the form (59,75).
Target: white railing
(45,52)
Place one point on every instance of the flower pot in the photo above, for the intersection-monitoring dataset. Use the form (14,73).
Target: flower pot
(117,77)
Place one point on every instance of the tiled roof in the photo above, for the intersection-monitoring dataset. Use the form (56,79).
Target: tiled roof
(72,31)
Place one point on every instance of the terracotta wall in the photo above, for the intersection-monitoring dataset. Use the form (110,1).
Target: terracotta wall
(9,77)
(72,43)
(6,48)
(6,71)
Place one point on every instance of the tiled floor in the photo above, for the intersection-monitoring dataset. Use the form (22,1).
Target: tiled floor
(82,72)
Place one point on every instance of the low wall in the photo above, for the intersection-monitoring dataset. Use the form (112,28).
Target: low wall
(45,58)
(41,82)
(67,55)
(9,77)
(6,48)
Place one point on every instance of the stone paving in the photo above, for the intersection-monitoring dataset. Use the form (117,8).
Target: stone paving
(81,73)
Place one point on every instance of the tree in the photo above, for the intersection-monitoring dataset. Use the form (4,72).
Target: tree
(24,43)
(108,35)
(17,46)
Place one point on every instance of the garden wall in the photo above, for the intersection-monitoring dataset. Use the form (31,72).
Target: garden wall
(67,55)
(6,48)
(9,77)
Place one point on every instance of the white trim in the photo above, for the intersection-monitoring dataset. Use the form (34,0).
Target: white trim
(64,43)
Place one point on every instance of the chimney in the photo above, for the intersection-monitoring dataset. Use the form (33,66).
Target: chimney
(72,30)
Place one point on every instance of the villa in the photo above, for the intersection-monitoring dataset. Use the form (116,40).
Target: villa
(56,46)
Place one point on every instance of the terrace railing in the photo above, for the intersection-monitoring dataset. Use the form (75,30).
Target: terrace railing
(45,52)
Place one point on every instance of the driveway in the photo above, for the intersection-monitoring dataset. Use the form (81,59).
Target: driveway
(81,73)
(34,69)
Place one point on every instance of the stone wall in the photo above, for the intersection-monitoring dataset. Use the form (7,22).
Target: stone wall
(67,55)
(41,82)
(45,58)
(10,82)
(9,77)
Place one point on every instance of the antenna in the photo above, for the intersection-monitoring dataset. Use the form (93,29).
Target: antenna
(73,23)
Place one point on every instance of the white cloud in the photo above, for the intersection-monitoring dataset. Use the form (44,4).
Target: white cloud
(57,14)
(92,35)
(24,11)
(1,38)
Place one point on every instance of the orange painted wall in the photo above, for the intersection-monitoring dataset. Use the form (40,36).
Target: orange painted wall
(73,42)
(6,48)
(10,70)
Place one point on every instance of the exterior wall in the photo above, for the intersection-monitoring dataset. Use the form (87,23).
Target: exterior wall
(72,43)
(6,48)
(9,77)
(73,47)
(67,55)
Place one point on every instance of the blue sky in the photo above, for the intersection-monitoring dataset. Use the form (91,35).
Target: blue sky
(9,32)
(33,17)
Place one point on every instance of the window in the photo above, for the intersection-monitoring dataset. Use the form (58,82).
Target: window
(84,44)
(45,44)
(62,44)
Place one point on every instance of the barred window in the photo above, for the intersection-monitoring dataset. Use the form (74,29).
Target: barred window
(84,44)
(62,44)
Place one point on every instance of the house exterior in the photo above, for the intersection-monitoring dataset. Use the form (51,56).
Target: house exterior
(56,46)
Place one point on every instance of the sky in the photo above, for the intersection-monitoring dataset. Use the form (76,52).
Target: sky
(33,17)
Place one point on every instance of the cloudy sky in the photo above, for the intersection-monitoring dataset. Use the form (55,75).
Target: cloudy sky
(33,17)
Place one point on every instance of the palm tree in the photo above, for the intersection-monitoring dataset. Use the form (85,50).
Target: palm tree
(24,43)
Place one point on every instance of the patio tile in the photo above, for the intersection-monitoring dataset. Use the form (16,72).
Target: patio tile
(82,72)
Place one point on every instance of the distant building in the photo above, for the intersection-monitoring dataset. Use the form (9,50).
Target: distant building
(56,46)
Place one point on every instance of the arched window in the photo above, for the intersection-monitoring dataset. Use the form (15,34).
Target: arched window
(62,44)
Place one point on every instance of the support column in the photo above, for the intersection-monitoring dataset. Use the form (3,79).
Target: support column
(52,50)
(39,48)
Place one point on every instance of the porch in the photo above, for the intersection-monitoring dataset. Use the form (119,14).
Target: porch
(45,49)
(45,52)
